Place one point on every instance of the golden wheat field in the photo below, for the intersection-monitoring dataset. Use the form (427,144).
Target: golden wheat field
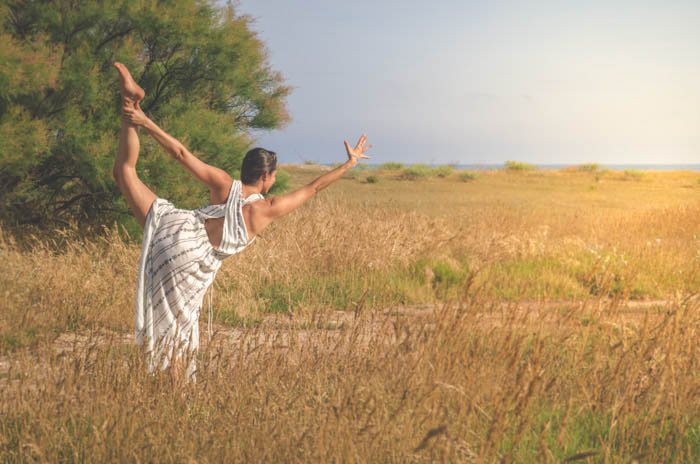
(540,316)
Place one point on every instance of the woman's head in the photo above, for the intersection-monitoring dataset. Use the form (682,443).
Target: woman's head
(258,164)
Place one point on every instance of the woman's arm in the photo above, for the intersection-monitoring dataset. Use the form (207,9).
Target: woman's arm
(284,204)
(217,180)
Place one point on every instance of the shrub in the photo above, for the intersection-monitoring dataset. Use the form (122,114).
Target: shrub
(443,171)
(633,174)
(518,166)
(392,166)
(589,167)
(281,183)
(467,176)
(372,179)
(417,171)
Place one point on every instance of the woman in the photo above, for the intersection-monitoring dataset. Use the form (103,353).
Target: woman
(182,250)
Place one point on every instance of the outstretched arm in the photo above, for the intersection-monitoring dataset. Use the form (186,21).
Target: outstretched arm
(217,180)
(281,205)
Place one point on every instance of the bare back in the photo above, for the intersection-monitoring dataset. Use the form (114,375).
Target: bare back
(254,217)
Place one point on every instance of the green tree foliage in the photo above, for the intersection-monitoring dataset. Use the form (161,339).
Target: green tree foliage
(206,78)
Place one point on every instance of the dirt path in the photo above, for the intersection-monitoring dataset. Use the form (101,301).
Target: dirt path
(324,330)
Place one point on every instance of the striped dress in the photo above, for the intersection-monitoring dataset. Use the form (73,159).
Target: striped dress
(177,266)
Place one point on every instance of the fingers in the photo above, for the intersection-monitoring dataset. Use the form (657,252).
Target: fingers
(358,151)
(129,115)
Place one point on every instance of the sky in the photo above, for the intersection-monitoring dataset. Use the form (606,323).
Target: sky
(546,82)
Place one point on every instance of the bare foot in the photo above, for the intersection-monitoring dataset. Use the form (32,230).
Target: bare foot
(130,89)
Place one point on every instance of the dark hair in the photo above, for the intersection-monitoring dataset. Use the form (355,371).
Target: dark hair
(256,162)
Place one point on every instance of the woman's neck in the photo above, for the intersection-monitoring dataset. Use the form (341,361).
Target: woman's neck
(249,190)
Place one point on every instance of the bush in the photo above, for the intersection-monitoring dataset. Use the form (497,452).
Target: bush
(372,179)
(281,183)
(392,166)
(443,171)
(416,171)
(466,176)
(589,167)
(632,174)
(518,166)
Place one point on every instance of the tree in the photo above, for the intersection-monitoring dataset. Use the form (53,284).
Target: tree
(207,82)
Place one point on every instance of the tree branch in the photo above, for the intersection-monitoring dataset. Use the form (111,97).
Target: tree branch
(112,37)
(67,203)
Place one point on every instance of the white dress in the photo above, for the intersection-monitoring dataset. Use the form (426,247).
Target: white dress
(177,266)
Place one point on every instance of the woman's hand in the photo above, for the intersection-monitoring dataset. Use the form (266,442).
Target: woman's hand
(357,153)
(134,115)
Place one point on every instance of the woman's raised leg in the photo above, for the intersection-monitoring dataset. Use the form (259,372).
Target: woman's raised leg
(138,196)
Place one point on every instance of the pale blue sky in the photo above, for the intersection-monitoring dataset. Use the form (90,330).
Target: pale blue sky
(482,82)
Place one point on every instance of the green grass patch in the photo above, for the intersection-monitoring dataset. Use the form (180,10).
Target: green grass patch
(348,290)
(23,338)
(417,171)
(230,317)
(531,278)
(445,276)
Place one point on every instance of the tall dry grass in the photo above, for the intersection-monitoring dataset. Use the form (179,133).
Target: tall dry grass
(459,384)
(535,349)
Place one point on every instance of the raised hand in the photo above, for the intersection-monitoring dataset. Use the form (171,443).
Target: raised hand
(357,153)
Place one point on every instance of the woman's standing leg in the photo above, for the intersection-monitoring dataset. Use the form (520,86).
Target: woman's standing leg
(138,196)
